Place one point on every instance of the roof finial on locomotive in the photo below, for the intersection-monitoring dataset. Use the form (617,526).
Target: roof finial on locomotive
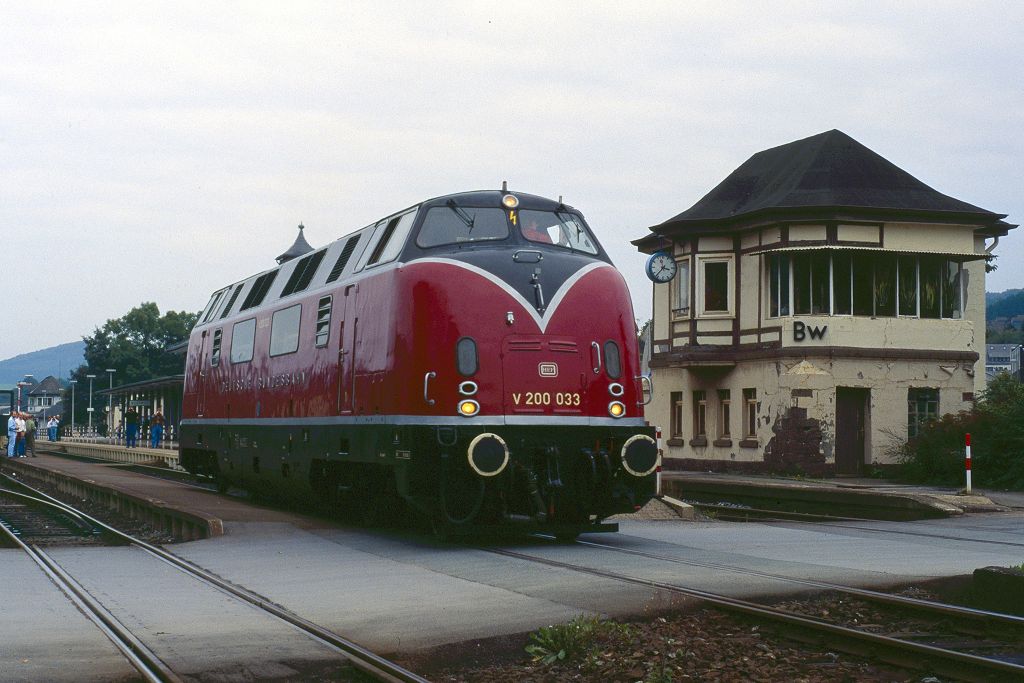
(298,248)
(504,186)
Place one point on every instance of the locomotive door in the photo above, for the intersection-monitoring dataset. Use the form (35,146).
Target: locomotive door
(347,352)
(200,376)
(544,375)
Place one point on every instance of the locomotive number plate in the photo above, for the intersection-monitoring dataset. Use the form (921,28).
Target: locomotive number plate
(547,398)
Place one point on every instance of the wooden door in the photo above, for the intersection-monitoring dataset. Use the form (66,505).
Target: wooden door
(852,406)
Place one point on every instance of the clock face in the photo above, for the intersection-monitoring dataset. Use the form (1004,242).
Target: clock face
(661,267)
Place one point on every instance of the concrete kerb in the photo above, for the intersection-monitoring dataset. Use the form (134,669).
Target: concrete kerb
(181,524)
(815,498)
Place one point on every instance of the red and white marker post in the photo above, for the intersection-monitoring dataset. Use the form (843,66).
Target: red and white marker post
(657,490)
(967,462)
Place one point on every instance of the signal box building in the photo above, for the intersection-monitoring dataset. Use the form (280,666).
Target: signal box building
(824,304)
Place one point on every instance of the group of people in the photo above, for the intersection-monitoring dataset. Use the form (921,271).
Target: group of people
(21,435)
(155,424)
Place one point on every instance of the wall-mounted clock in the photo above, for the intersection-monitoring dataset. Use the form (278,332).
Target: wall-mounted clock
(661,267)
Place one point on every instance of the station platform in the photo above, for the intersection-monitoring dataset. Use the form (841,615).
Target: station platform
(184,511)
(840,497)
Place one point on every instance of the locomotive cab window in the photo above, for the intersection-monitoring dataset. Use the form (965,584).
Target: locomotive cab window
(243,340)
(392,239)
(454,224)
(557,229)
(284,330)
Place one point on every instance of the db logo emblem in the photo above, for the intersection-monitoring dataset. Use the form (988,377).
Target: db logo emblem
(547,370)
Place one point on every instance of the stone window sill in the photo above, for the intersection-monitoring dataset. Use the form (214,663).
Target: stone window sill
(699,441)
(676,442)
(749,443)
(722,443)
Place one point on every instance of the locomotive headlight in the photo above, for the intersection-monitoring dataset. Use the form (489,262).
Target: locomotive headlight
(487,454)
(616,409)
(510,201)
(468,408)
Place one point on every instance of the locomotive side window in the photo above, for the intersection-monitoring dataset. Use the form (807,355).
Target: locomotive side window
(343,258)
(243,340)
(304,271)
(259,290)
(215,351)
(556,228)
(231,301)
(612,362)
(284,330)
(455,224)
(393,239)
(323,321)
(212,307)
(466,357)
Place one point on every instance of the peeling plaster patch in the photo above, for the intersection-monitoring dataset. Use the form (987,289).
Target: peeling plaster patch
(805,368)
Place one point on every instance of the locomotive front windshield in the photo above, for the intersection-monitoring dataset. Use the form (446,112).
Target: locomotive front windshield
(455,224)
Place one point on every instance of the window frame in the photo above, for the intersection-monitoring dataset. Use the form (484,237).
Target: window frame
(730,273)
(700,414)
(675,423)
(234,337)
(681,280)
(274,327)
(750,413)
(724,413)
(917,419)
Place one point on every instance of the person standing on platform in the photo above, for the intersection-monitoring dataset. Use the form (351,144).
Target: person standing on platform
(51,428)
(30,434)
(156,429)
(131,426)
(21,436)
(12,434)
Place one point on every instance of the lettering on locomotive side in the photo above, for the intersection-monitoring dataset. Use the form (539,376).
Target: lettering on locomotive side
(546,398)
(287,379)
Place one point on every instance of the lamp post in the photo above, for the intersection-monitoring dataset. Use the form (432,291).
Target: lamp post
(110,405)
(73,383)
(91,378)
(20,385)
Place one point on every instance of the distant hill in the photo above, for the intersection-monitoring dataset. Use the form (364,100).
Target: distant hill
(1007,306)
(58,361)
(996,297)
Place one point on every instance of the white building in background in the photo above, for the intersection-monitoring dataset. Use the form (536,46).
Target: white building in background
(820,303)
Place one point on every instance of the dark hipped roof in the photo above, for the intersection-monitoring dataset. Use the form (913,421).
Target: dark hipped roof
(299,247)
(50,385)
(822,176)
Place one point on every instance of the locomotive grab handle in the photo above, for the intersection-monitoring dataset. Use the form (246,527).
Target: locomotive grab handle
(597,348)
(650,389)
(426,386)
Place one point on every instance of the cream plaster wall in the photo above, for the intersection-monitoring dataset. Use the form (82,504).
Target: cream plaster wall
(858,233)
(715,244)
(806,232)
(929,237)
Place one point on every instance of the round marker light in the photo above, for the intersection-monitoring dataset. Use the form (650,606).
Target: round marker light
(616,409)
(510,201)
(468,388)
(468,408)
(616,389)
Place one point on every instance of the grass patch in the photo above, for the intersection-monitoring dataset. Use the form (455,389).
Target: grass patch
(573,640)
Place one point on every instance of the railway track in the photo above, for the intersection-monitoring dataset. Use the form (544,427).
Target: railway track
(142,657)
(939,659)
(35,520)
(731,512)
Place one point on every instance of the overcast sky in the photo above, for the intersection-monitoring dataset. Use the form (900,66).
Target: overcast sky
(159,152)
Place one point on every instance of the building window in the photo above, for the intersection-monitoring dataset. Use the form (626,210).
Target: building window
(700,414)
(922,408)
(681,290)
(676,419)
(715,285)
(867,283)
(284,330)
(724,405)
(750,413)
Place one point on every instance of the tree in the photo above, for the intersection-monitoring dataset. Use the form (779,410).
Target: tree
(135,345)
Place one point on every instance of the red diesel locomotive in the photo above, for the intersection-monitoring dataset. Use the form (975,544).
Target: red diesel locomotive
(473,355)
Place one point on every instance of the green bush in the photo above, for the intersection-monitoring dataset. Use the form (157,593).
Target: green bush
(996,426)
